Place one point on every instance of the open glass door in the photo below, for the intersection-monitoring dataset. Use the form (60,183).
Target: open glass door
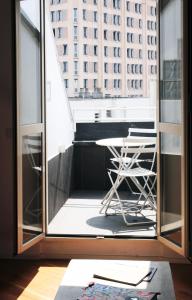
(30,122)
(171,125)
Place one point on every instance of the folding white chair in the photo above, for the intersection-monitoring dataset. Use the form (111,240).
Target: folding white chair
(138,132)
(124,171)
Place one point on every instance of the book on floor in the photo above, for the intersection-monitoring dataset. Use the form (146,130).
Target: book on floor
(132,275)
(106,292)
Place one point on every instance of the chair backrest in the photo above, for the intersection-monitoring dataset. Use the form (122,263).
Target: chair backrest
(142,132)
(137,152)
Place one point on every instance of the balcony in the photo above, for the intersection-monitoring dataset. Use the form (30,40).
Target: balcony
(77,166)
(78,178)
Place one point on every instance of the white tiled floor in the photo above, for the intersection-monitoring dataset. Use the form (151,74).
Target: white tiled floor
(80,216)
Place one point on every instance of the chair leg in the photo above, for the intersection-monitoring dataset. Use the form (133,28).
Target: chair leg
(115,186)
(150,188)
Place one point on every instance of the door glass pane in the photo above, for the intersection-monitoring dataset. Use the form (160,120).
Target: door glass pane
(29,62)
(32,185)
(170,165)
(171,60)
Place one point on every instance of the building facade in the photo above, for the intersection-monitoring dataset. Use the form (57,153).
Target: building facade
(106,48)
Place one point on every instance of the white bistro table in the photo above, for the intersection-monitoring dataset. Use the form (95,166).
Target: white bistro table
(113,143)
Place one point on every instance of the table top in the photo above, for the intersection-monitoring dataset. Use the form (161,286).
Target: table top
(80,273)
(127,141)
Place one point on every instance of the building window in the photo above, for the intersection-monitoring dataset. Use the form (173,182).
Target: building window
(84,14)
(105,3)
(59,15)
(65,67)
(115,68)
(138,8)
(75,15)
(105,34)
(106,83)
(116,4)
(106,67)
(52,16)
(95,67)
(95,16)
(116,20)
(105,18)
(95,83)
(140,23)
(76,85)
(116,36)
(105,51)
(75,32)
(95,33)
(85,49)
(65,48)
(130,22)
(75,50)
(60,31)
(85,83)
(85,66)
(153,11)
(66,83)
(116,51)
(95,50)
(130,37)
(85,32)
(76,67)
(115,83)
(128,5)
(129,53)
(95,2)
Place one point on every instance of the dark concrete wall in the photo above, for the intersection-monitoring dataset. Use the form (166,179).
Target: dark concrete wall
(90,162)
(96,131)
(90,166)
(59,181)
(7,130)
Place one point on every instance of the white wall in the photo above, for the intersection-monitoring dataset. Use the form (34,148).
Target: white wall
(60,126)
(122,110)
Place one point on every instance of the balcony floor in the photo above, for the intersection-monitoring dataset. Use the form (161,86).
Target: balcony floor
(80,216)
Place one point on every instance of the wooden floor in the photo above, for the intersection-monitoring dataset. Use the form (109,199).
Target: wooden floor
(39,280)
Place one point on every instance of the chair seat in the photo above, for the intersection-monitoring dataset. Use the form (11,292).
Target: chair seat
(126,160)
(136,172)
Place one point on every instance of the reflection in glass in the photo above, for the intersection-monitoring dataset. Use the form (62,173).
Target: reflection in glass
(170,163)
(29,62)
(32,186)
(170,61)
